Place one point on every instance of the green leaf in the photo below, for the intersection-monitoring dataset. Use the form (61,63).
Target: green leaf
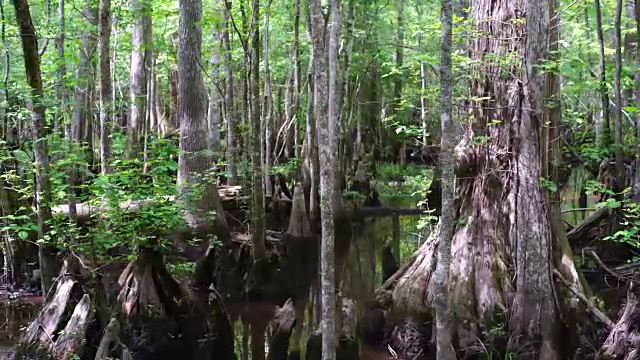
(613,203)
(22,156)
(23,234)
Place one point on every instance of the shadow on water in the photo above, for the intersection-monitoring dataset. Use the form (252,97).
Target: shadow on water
(14,315)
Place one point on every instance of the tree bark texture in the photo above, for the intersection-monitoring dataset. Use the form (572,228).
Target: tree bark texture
(605,137)
(296,76)
(501,268)
(617,125)
(230,113)
(61,89)
(444,347)
(398,78)
(317,102)
(214,114)
(80,126)
(267,111)
(104,34)
(140,58)
(258,231)
(39,133)
(636,183)
(325,112)
(194,160)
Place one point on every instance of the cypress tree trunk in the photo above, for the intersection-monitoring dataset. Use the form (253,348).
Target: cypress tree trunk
(502,263)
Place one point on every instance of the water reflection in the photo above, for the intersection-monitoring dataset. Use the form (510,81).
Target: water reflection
(14,315)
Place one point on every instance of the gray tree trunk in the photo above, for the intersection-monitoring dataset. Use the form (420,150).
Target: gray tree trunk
(37,109)
(398,78)
(502,263)
(153,99)
(617,125)
(230,113)
(194,160)
(258,235)
(316,50)
(603,124)
(62,68)
(214,115)
(104,34)
(443,326)
(81,108)
(636,185)
(534,313)
(140,56)
(423,85)
(267,111)
(326,114)
(296,76)
(4,125)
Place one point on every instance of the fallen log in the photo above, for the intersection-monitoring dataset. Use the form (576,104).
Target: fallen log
(595,227)
(86,211)
(589,229)
(228,195)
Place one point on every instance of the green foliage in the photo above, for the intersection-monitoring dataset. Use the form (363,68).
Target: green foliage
(115,225)
(630,234)
(406,187)
(549,185)
(389,171)
(288,169)
(182,270)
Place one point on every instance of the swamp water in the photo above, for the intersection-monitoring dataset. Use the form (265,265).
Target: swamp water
(13,316)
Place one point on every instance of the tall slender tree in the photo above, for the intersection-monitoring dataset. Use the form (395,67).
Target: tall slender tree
(229,107)
(444,345)
(214,113)
(258,235)
(326,114)
(104,36)
(636,185)
(617,84)
(80,127)
(296,75)
(604,121)
(140,58)
(398,78)
(62,68)
(36,107)
(267,111)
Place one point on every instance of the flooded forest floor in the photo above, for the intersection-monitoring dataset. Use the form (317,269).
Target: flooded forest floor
(364,267)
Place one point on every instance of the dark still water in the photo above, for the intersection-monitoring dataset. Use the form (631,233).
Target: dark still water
(13,316)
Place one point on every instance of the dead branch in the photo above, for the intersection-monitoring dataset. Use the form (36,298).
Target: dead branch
(590,306)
